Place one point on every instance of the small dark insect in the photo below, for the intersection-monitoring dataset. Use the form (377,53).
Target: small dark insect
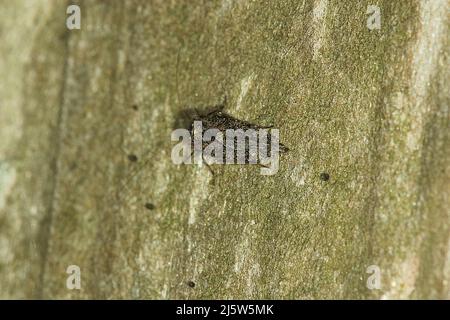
(215,117)
(132,158)
(324,176)
(150,206)
(135,107)
(191,284)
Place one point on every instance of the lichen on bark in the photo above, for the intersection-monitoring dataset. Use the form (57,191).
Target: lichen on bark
(367,107)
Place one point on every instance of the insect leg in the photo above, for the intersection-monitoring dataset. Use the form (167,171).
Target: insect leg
(209,168)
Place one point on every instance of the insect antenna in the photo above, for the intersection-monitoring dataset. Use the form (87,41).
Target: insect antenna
(209,167)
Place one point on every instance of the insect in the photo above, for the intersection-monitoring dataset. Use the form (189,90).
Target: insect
(216,118)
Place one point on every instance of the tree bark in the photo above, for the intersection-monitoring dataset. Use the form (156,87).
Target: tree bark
(367,107)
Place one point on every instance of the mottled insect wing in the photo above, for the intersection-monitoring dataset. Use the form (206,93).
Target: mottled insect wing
(216,118)
(223,121)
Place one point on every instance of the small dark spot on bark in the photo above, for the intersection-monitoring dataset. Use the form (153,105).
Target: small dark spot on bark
(324,176)
(73,166)
(150,206)
(191,284)
(132,158)
(135,107)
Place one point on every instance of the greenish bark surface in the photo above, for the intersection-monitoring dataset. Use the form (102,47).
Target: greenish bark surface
(368,107)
